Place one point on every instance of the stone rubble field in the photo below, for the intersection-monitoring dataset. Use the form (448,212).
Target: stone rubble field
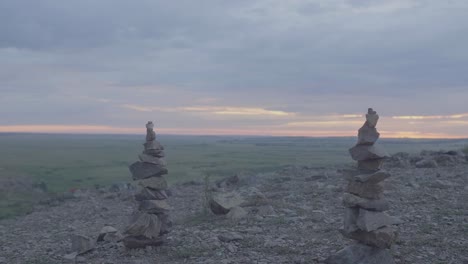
(289,216)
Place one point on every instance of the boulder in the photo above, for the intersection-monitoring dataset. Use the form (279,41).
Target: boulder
(154,183)
(81,244)
(148,194)
(222,202)
(381,238)
(368,152)
(236,213)
(143,170)
(350,200)
(361,254)
(144,224)
(154,206)
(365,190)
(371,220)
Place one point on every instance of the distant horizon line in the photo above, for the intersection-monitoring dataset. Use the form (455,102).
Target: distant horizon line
(215,135)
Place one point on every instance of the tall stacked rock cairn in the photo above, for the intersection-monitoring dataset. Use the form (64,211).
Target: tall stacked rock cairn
(151,220)
(365,221)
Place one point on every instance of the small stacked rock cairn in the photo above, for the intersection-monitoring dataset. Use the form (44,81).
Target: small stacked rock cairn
(151,221)
(365,220)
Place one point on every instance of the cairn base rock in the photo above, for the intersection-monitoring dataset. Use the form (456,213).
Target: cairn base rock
(361,254)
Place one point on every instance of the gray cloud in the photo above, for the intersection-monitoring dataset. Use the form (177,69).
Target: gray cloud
(311,57)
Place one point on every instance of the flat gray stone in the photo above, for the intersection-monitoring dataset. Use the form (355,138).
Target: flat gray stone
(351,200)
(154,206)
(148,194)
(153,145)
(166,223)
(367,135)
(381,238)
(151,159)
(154,183)
(365,190)
(236,213)
(222,202)
(144,224)
(370,165)
(350,219)
(375,177)
(143,170)
(371,220)
(135,242)
(368,152)
(81,244)
(361,254)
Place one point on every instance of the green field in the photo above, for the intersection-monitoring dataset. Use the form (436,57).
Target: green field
(63,162)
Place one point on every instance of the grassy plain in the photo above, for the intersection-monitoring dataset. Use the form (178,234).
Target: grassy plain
(63,162)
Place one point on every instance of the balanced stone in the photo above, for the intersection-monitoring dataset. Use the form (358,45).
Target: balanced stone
(166,223)
(370,165)
(153,145)
(373,177)
(154,183)
(372,117)
(361,254)
(350,219)
(154,206)
(370,220)
(350,200)
(152,159)
(381,238)
(144,224)
(143,170)
(368,152)
(148,194)
(150,135)
(365,190)
(135,242)
(367,135)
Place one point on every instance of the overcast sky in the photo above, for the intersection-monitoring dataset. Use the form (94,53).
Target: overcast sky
(266,67)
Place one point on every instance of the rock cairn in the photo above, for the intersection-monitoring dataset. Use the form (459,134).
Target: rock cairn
(365,220)
(151,221)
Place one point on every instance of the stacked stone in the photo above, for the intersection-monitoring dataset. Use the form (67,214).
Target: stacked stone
(151,221)
(365,220)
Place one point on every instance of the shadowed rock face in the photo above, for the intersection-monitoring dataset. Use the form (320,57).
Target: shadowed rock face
(365,220)
(152,219)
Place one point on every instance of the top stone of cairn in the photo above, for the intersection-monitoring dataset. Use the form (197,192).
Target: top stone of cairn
(372,117)
(150,135)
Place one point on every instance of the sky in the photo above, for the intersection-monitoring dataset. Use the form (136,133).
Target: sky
(244,67)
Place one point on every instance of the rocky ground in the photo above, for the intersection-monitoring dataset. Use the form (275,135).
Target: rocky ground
(299,225)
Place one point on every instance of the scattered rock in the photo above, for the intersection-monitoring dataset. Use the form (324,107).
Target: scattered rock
(229,237)
(81,244)
(237,213)
(222,202)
